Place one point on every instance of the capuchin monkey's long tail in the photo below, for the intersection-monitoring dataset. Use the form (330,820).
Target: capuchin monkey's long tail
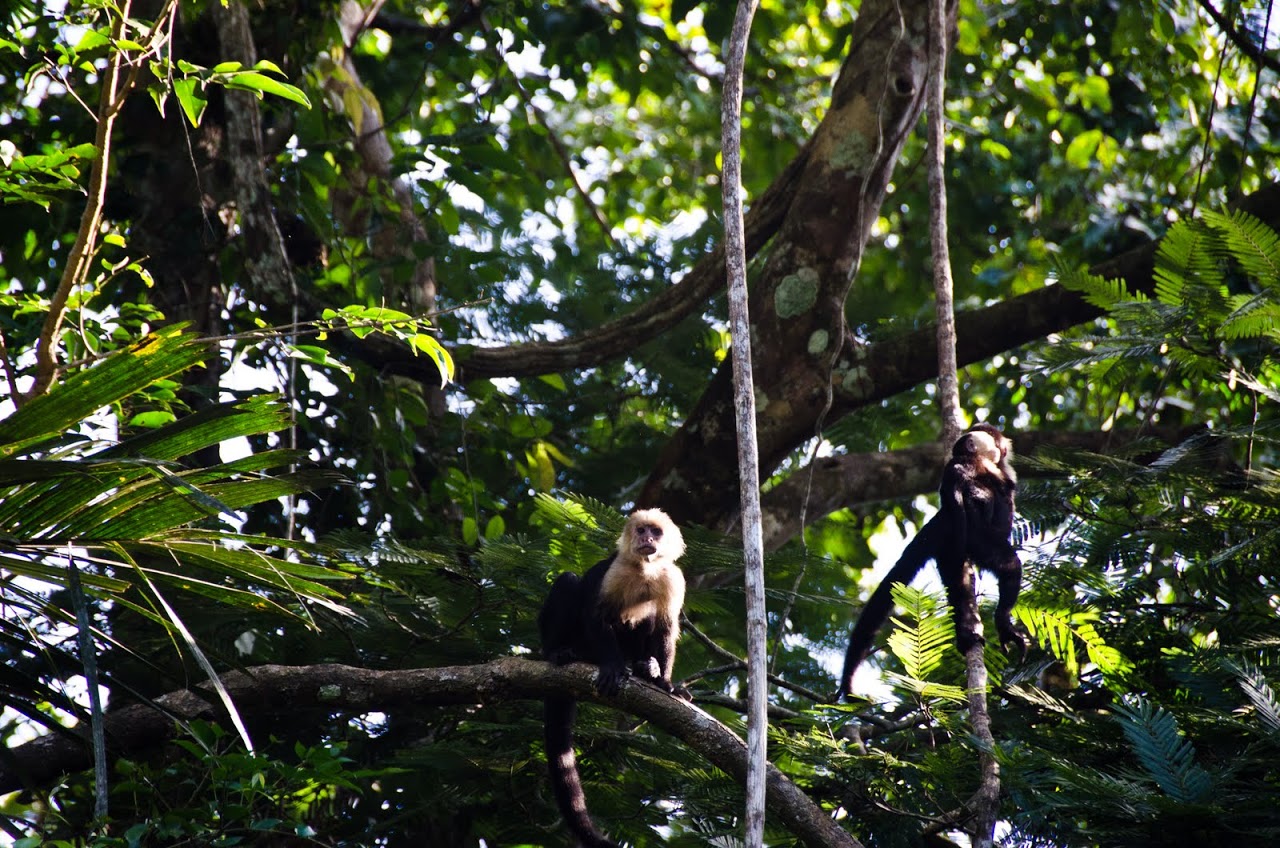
(919,551)
(560,714)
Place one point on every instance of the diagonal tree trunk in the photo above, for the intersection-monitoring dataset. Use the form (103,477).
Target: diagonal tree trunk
(797,303)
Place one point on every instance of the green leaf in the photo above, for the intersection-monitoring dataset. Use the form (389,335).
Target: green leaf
(996,149)
(193,104)
(156,418)
(1080,152)
(263,84)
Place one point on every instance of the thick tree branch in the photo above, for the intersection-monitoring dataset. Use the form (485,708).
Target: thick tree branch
(901,362)
(797,303)
(657,315)
(871,373)
(610,340)
(840,482)
(275,691)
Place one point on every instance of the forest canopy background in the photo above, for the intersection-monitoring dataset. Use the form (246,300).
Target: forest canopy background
(331,330)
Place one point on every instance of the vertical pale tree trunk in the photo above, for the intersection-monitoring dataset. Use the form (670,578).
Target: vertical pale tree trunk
(745,409)
(985,802)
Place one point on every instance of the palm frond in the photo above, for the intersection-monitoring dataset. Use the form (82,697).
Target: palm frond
(79,395)
(134,502)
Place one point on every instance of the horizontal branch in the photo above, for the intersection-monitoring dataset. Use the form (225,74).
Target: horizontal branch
(839,482)
(903,361)
(268,691)
(610,340)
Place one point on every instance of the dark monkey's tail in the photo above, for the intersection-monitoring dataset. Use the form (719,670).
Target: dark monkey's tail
(919,551)
(560,714)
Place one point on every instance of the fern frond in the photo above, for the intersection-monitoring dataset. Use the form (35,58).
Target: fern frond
(1167,756)
(920,647)
(1097,290)
(1259,692)
(1251,316)
(1249,242)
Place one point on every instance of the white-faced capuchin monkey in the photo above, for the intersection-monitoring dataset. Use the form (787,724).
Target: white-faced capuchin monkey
(623,615)
(973,524)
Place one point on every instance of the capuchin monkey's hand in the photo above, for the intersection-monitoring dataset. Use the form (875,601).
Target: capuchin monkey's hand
(610,678)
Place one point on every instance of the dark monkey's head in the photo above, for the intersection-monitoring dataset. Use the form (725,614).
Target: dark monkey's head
(983,442)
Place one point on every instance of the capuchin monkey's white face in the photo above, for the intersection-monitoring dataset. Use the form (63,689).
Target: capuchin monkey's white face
(650,533)
(647,539)
(983,445)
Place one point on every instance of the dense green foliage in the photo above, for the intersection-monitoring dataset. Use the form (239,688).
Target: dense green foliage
(235,466)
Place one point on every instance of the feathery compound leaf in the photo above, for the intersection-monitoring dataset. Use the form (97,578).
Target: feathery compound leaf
(1059,630)
(921,647)
(1184,257)
(1251,243)
(1164,753)
(1259,692)
(1099,291)
(1251,316)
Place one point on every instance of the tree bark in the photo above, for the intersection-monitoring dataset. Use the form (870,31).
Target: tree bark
(745,424)
(797,304)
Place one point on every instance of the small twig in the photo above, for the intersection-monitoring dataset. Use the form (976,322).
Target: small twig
(115,90)
(1244,44)
(8,371)
(689,627)
(88,651)
(736,663)
(739,706)
(57,72)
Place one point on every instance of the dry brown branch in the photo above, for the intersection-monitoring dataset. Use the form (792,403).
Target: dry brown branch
(117,81)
